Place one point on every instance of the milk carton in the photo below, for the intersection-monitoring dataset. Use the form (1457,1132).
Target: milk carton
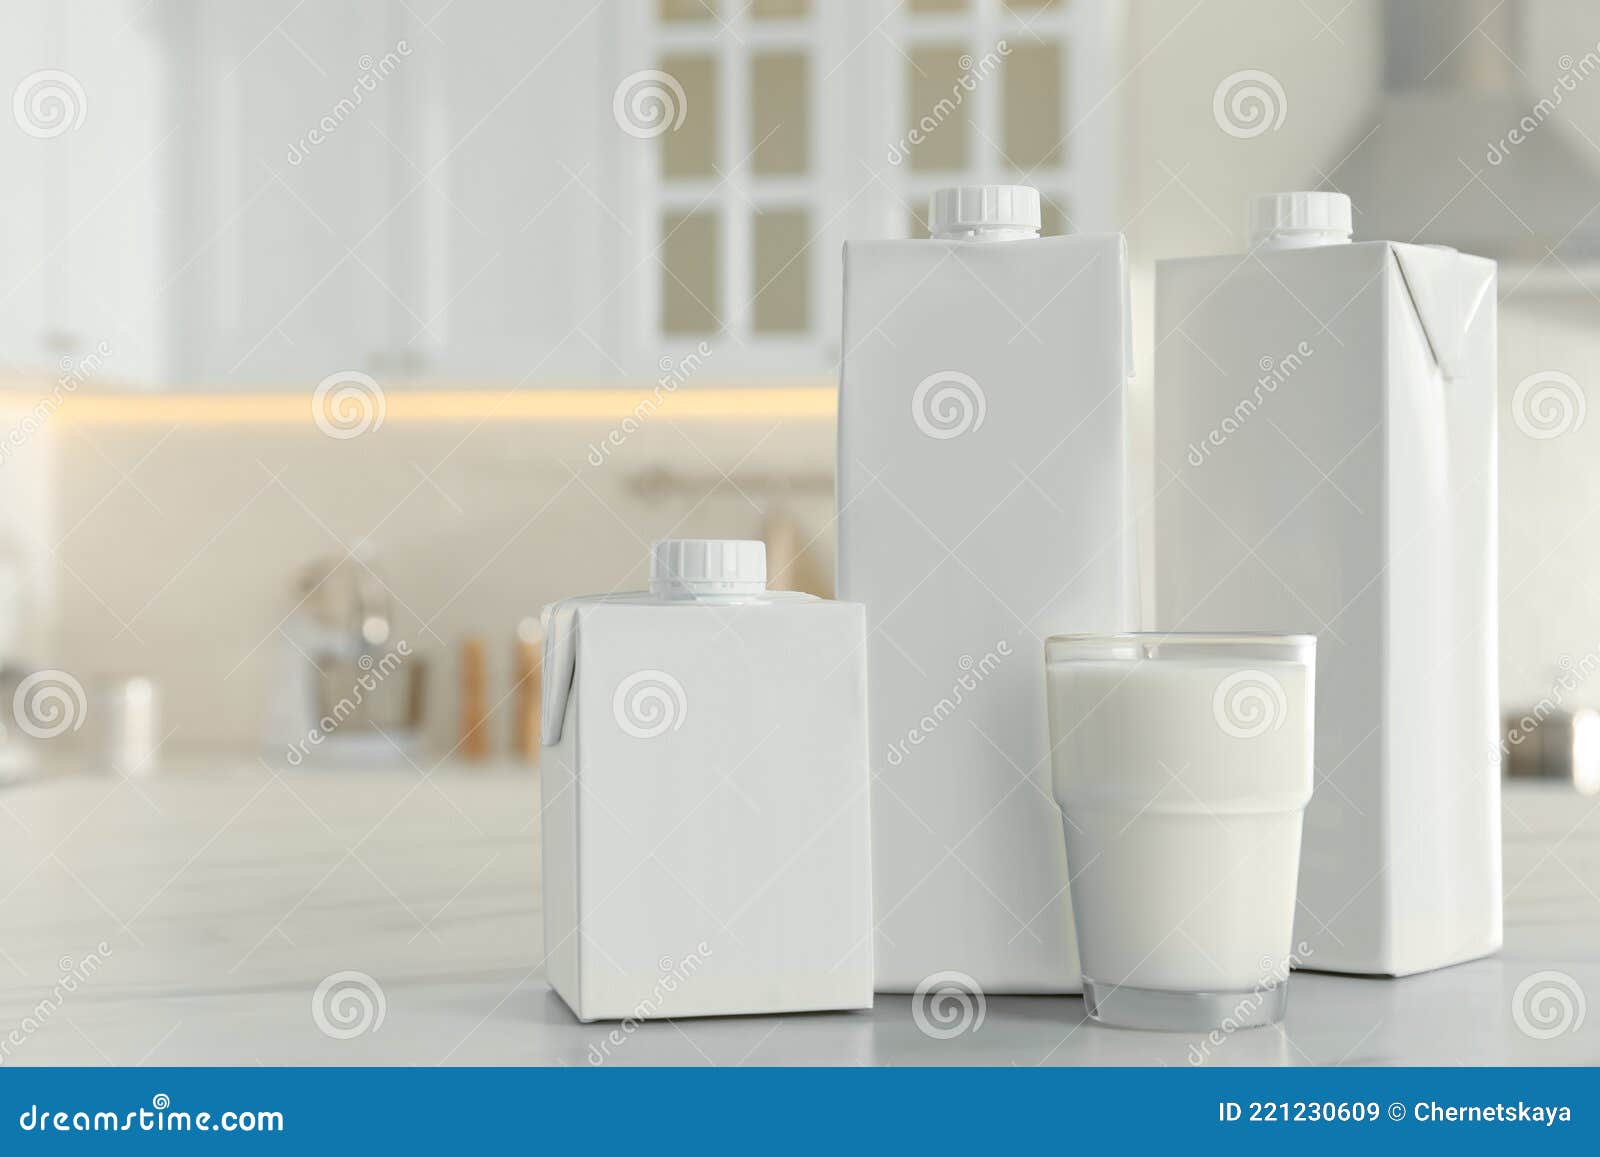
(981,509)
(705,795)
(1325,462)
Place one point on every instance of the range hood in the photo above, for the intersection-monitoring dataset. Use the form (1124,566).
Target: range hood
(1452,99)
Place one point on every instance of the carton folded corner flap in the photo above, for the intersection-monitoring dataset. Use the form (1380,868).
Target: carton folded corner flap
(560,663)
(1447,290)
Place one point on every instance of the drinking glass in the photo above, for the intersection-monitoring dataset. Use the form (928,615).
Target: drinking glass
(1182,767)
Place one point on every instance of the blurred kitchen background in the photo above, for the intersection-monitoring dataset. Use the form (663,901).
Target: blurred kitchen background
(337,338)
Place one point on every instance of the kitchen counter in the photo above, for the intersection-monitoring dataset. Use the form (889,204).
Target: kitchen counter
(189,918)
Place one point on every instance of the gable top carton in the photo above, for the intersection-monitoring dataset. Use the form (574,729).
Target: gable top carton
(982,426)
(1325,463)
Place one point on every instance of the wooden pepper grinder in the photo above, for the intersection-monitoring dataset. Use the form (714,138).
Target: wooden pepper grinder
(474,743)
(528,663)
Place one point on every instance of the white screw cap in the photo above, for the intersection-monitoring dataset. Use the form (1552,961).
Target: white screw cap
(963,208)
(709,565)
(1298,219)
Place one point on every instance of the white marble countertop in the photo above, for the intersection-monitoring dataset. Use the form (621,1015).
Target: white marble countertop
(217,897)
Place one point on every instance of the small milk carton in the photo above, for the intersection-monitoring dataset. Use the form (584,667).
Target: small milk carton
(981,509)
(705,795)
(1325,463)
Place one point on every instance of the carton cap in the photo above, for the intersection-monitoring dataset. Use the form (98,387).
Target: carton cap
(712,565)
(1297,220)
(967,209)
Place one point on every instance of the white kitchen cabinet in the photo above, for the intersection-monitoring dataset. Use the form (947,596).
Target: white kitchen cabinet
(264,194)
(284,246)
(82,209)
(402,189)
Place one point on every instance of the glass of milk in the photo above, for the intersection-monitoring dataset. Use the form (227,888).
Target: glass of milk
(1182,767)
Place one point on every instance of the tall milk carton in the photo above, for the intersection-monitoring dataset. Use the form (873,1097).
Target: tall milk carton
(705,795)
(1325,463)
(981,509)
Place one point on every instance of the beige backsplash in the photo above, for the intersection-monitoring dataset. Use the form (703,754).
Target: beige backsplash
(181,542)
(180,537)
